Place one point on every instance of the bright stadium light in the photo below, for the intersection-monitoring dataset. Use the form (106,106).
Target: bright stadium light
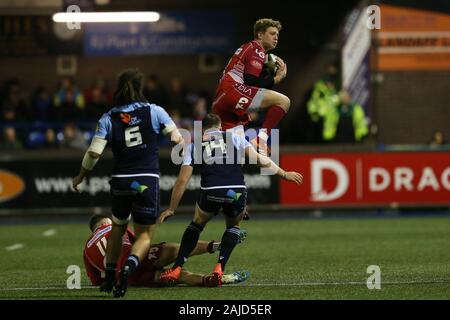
(132,16)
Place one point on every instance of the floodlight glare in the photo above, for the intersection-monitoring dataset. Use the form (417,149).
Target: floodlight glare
(132,16)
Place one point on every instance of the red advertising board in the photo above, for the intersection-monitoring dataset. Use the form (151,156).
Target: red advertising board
(412,178)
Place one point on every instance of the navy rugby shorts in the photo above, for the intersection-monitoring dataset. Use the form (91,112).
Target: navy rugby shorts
(232,201)
(138,196)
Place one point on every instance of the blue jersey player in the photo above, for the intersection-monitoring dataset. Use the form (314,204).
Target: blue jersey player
(131,129)
(222,187)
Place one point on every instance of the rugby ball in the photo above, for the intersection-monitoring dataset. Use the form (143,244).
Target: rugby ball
(271,63)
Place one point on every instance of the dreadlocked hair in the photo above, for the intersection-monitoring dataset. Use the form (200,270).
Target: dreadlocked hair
(129,87)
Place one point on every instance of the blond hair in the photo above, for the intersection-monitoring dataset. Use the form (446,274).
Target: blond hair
(262,24)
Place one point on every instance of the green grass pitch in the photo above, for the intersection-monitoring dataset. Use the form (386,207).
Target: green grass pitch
(287,258)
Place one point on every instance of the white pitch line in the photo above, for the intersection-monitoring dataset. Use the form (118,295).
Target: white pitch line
(344,283)
(16,246)
(49,233)
(304,284)
(44,288)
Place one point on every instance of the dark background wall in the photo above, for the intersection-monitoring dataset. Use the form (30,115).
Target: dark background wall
(411,105)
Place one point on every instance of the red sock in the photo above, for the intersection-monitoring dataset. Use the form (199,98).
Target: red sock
(273,116)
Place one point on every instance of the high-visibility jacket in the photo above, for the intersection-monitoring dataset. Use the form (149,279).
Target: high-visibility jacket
(331,121)
(322,98)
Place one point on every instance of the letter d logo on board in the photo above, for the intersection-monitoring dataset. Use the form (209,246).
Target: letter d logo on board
(11,185)
(317,191)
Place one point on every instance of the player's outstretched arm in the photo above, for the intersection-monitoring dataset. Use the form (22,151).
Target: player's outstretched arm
(265,162)
(177,192)
(90,159)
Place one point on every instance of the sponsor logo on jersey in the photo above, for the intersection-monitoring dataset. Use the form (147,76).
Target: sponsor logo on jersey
(261,54)
(244,89)
(128,119)
(256,64)
(125,118)
(11,185)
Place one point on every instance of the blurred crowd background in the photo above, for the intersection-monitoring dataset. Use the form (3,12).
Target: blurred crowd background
(46,106)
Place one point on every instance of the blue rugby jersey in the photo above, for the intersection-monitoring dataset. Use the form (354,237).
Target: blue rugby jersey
(131,132)
(212,160)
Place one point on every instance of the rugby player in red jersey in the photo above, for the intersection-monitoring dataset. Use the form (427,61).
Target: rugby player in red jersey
(160,255)
(245,85)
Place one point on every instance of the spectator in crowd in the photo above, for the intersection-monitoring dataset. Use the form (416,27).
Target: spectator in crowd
(155,92)
(50,141)
(68,101)
(178,98)
(345,122)
(69,109)
(14,108)
(324,96)
(200,109)
(97,104)
(105,91)
(437,139)
(10,140)
(98,99)
(3,89)
(73,137)
(8,114)
(41,104)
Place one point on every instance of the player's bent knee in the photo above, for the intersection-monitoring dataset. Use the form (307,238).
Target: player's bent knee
(234,222)
(200,220)
(285,103)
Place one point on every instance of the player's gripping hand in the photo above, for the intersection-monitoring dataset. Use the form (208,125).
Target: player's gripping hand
(293,176)
(282,68)
(280,63)
(76,181)
(165,215)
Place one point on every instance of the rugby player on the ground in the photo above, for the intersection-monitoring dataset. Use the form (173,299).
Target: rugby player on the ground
(158,257)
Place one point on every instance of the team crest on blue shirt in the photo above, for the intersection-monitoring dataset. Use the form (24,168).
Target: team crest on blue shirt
(134,121)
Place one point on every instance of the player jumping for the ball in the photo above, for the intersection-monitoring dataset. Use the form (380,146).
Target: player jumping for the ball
(244,87)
